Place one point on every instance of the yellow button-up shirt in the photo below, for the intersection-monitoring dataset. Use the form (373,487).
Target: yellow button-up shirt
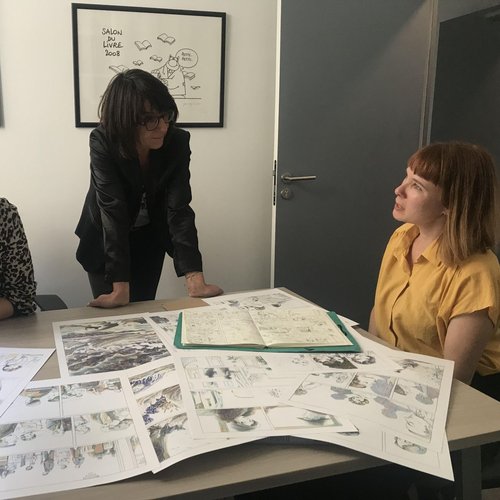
(413,307)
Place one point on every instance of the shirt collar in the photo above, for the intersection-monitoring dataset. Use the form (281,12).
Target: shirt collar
(431,253)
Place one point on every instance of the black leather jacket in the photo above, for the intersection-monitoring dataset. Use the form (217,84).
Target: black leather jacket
(113,201)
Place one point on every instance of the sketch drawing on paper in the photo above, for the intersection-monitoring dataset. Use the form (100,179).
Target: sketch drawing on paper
(260,300)
(166,322)
(233,395)
(175,72)
(103,345)
(58,436)
(17,361)
(169,437)
(423,371)
(146,380)
(17,368)
(160,404)
(49,469)
(183,49)
(408,407)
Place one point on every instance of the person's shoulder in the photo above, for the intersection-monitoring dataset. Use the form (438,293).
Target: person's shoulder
(480,263)
(98,132)
(4,203)
(179,134)
(6,206)
(404,229)
(98,138)
(176,142)
(401,232)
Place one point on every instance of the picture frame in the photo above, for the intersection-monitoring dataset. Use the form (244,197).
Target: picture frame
(185,49)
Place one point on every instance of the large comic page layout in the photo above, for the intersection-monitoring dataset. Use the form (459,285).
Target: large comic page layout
(400,414)
(158,397)
(60,435)
(237,394)
(412,401)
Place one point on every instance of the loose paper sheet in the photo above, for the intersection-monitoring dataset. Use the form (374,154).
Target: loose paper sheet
(101,345)
(269,298)
(17,367)
(60,435)
(409,406)
(238,394)
(381,442)
(190,404)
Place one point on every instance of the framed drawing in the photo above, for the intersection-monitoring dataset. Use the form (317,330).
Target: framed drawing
(183,48)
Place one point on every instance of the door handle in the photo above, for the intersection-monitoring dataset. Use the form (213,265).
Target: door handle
(288,177)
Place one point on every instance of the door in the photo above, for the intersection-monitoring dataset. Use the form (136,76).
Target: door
(351,98)
(466,102)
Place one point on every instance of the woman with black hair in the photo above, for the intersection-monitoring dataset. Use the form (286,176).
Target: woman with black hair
(137,207)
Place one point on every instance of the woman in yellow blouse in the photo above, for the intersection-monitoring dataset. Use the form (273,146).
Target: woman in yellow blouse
(438,291)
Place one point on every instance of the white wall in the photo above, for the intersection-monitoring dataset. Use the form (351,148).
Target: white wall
(448,9)
(44,158)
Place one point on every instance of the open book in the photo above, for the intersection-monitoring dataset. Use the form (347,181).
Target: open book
(303,328)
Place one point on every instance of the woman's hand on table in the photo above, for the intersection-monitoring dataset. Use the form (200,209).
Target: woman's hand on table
(196,286)
(120,296)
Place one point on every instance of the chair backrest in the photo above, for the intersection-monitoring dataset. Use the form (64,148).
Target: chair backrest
(49,302)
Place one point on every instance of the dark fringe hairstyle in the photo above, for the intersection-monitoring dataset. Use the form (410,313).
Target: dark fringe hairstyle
(466,175)
(123,103)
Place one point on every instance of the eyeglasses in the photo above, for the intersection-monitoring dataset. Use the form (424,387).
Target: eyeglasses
(150,122)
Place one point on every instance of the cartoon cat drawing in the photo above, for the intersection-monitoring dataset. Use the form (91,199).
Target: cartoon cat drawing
(172,75)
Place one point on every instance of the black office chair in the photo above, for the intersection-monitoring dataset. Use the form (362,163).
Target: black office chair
(49,302)
(491,467)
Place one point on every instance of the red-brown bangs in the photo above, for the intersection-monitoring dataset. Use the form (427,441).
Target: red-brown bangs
(428,164)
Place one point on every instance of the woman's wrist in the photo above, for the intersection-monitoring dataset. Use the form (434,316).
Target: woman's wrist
(192,274)
(6,308)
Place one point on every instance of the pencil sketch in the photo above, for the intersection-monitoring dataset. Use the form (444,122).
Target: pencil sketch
(17,367)
(229,394)
(414,410)
(272,328)
(382,352)
(315,362)
(165,324)
(145,381)
(378,441)
(55,469)
(106,344)
(61,434)
(160,404)
(96,428)
(169,437)
(260,300)
(159,400)
(298,327)
(425,371)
